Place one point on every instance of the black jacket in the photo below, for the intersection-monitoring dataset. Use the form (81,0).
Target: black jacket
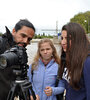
(6,75)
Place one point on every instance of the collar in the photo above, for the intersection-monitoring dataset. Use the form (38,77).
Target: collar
(48,62)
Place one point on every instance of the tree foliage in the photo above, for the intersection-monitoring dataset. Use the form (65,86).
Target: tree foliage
(0,34)
(83,19)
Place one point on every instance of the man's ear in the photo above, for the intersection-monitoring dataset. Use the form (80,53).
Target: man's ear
(13,31)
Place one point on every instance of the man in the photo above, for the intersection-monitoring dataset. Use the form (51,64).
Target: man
(21,35)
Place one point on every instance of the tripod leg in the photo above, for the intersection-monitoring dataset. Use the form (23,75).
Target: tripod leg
(28,86)
(11,93)
(25,92)
(21,90)
(33,94)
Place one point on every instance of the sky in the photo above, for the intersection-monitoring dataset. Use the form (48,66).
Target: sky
(42,13)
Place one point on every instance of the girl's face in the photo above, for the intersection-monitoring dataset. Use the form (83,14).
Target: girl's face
(64,40)
(46,51)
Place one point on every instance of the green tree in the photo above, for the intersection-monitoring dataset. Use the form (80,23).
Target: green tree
(0,34)
(83,19)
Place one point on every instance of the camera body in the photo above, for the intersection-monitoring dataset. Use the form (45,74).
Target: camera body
(17,59)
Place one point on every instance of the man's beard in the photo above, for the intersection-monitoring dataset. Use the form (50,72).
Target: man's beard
(24,44)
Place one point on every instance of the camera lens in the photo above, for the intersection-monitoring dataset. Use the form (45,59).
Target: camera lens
(3,62)
(8,59)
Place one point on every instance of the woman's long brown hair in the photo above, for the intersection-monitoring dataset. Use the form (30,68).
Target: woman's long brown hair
(76,53)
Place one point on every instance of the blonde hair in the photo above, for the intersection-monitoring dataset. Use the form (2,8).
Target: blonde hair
(55,55)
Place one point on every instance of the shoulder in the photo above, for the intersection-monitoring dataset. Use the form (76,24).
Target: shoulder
(87,61)
(53,62)
(1,42)
(2,45)
(1,39)
(87,65)
(55,65)
(30,66)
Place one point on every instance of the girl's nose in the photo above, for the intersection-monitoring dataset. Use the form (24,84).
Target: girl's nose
(45,51)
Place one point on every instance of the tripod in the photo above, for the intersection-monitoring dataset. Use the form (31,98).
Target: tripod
(21,89)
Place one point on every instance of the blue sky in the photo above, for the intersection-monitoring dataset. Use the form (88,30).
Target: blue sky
(42,13)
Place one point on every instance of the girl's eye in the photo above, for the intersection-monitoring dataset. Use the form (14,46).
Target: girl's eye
(48,49)
(42,50)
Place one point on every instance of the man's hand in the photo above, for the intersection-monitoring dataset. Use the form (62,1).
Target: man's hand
(48,91)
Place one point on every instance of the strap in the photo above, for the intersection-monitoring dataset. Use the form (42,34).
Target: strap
(57,79)
(32,74)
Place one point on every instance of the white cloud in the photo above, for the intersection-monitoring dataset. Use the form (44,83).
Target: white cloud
(42,13)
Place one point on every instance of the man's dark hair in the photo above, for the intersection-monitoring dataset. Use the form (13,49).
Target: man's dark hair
(23,22)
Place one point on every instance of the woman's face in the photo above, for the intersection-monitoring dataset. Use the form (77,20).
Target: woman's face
(64,40)
(46,51)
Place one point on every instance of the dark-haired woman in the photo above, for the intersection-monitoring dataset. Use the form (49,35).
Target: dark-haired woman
(75,62)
